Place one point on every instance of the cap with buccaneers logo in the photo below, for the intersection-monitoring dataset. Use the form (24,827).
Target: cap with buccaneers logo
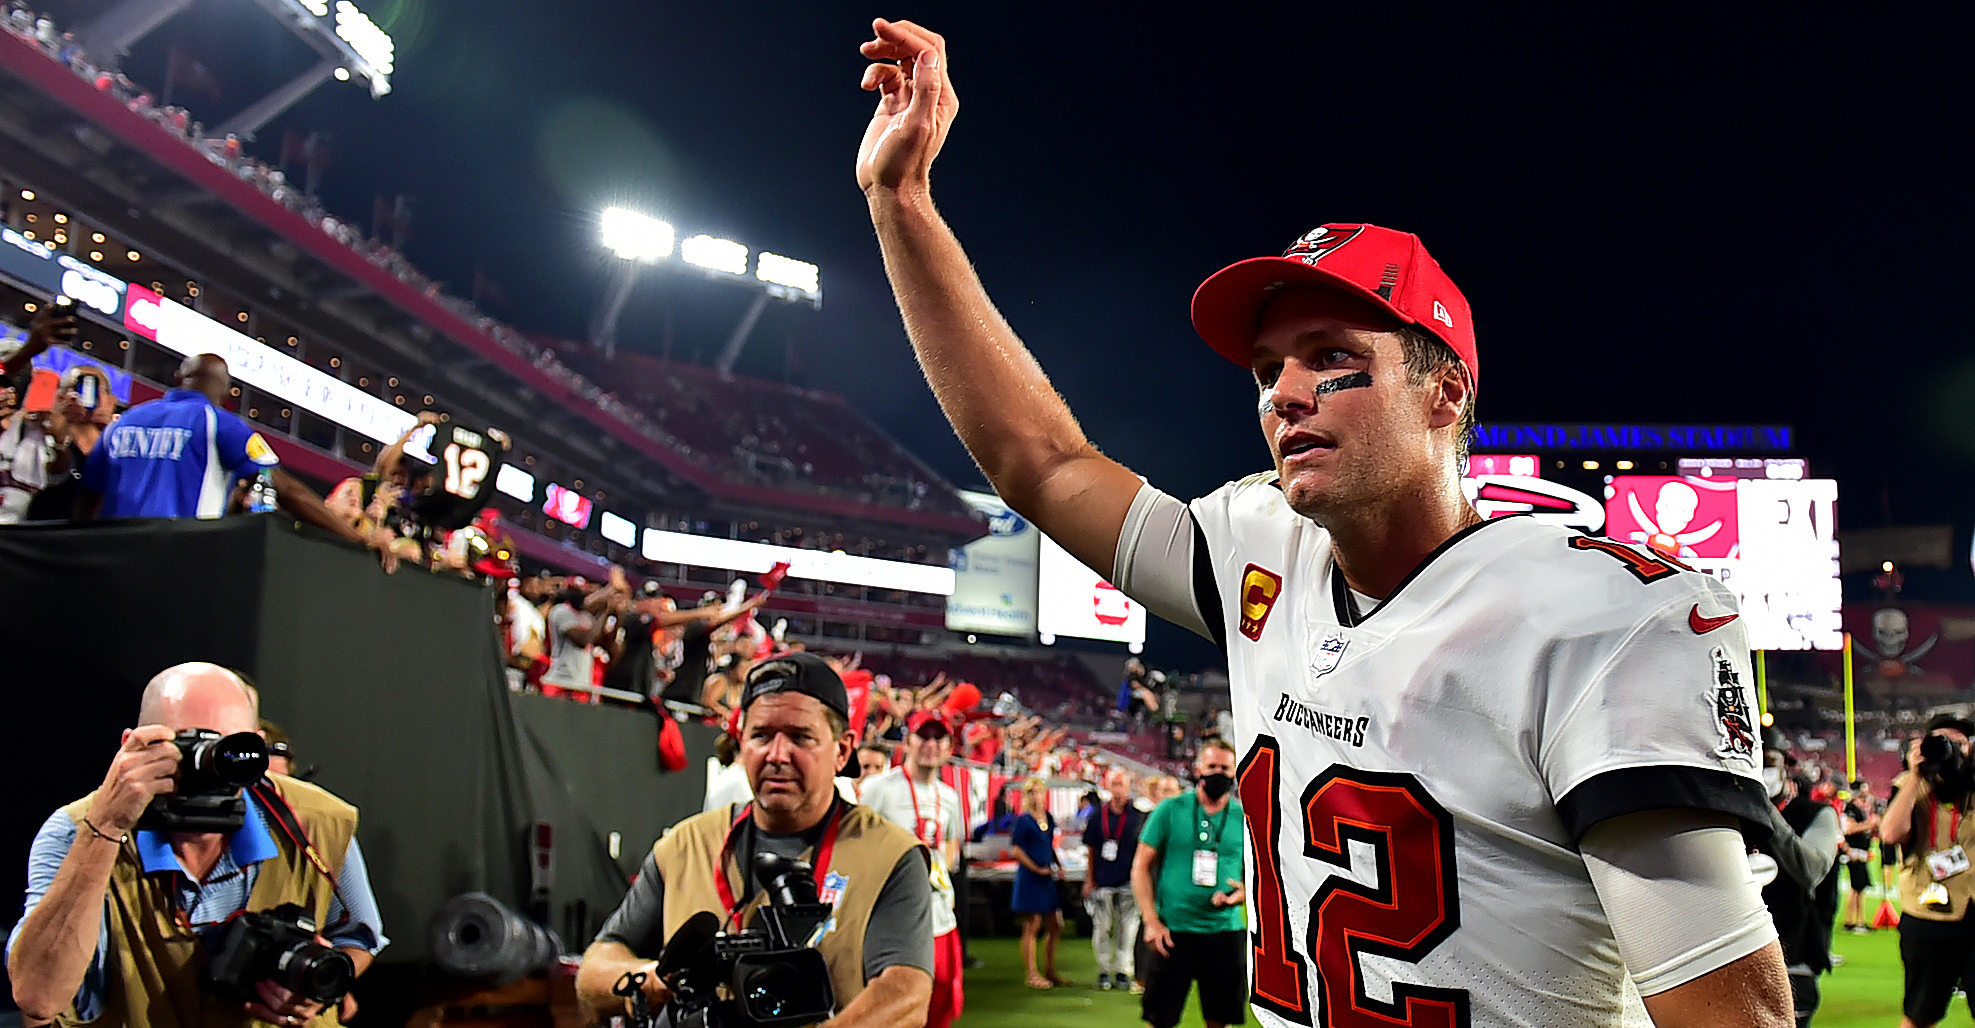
(1390,269)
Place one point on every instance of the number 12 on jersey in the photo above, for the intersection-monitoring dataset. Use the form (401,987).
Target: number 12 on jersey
(1412,907)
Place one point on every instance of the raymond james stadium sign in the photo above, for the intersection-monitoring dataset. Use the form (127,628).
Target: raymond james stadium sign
(1685,438)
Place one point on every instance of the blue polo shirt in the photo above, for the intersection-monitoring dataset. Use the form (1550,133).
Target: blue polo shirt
(174,457)
(206,904)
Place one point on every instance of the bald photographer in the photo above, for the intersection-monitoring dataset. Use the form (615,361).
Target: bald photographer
(193,887)
(827,906)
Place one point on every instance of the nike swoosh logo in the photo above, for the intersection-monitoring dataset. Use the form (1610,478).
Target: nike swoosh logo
(1703,625)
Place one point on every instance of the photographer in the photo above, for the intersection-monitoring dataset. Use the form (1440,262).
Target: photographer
(878,944)
(124,918)
(1926,815)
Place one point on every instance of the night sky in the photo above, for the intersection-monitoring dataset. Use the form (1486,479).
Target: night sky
(1707,217)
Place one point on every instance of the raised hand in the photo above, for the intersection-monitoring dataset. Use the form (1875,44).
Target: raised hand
(145,766)
(916,105)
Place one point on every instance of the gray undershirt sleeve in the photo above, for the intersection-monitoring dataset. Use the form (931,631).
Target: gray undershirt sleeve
(638,923)
(1156,563)
(900,931)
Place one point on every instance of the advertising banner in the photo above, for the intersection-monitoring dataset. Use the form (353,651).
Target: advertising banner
(1773,541)
(994,577)
(1074,601)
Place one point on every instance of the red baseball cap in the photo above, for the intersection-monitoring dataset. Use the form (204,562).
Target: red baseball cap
(920,720)
(1390,269)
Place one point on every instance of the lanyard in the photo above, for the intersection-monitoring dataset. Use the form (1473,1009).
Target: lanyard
(1104,822)
(933,837)
(1934,822)
(1218,827)
(823,851)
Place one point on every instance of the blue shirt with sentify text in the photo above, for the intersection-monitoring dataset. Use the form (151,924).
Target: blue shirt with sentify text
(174,457)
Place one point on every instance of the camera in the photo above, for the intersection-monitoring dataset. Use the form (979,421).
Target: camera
(1945,767)
(766,976)
(277,946)
(212,769)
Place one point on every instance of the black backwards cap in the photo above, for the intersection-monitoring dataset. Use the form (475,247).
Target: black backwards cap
(805,673)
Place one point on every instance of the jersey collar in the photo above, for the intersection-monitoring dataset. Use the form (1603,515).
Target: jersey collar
(1340,591)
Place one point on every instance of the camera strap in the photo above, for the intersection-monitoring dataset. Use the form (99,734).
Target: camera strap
(824,848)
(277,807)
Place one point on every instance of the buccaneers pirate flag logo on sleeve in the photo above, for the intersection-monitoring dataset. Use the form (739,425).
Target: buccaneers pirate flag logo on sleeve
(1734,720)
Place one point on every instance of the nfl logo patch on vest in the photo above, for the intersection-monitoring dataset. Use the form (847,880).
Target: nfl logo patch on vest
(832,890)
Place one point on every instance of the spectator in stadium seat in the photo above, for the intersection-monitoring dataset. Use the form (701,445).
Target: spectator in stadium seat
(872,759)
(578,618)
(524,635)
(78,427)
(26,447)
(179,455)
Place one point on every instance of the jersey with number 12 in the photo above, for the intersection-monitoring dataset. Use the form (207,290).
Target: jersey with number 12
(462,480)
(1417,774)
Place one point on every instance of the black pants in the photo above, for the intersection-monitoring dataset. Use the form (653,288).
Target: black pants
(1938,955)
(1804,997)
(1217,961)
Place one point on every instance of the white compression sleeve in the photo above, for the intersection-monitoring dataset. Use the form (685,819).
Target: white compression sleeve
(1676,888)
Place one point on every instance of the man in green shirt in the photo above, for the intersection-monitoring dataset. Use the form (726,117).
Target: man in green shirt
(1187,878)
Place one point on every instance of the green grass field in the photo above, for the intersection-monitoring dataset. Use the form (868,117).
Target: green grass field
(1864,993)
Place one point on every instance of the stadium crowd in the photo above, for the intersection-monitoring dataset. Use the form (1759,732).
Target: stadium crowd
(849,460)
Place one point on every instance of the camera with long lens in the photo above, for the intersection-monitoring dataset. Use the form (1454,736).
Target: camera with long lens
(212,769)
(1945,767)
(768,975)
(277,946)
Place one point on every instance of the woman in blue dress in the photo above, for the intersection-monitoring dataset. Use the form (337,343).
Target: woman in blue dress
(1037,904)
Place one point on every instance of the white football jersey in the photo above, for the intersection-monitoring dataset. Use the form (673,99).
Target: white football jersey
(1417,775)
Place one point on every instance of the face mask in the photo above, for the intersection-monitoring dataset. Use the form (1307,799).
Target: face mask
(1773,778)
(1216,785)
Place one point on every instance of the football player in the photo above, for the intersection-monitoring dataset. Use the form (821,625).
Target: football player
(1494,772)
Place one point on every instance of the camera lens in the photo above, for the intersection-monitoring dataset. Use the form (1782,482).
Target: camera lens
(318,972)
(239,759)
(766,991)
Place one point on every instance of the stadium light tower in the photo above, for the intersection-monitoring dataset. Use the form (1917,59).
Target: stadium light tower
(640,240)
(637,240)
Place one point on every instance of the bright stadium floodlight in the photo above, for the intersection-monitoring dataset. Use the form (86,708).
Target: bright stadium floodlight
(722,255)
(778,270)
(634,236)
(370,42)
